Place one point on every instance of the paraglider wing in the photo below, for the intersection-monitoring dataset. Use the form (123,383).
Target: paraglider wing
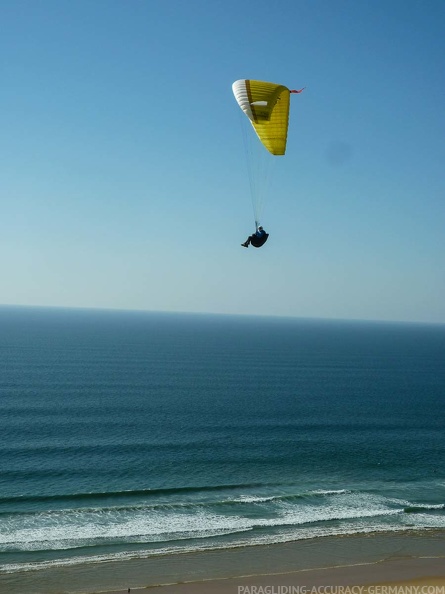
(267,107)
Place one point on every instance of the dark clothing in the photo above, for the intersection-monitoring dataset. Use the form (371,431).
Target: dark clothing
(257,239)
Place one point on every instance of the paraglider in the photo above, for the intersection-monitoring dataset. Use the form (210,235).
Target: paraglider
(266,106)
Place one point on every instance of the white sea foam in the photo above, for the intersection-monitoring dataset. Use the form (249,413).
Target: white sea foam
(253,499)
(264,539)
(70,529)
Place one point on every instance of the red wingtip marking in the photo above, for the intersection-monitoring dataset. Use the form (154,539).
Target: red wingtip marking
(295,91)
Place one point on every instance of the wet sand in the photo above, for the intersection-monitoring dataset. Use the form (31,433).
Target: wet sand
(376,578)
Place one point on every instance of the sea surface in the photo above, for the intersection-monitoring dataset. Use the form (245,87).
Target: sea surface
(129,435)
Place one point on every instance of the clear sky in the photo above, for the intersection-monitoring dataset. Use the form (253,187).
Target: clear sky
(123,181)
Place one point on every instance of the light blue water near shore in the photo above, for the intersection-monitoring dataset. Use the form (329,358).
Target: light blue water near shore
(130,434)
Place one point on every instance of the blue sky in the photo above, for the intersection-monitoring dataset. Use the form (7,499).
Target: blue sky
(123,181)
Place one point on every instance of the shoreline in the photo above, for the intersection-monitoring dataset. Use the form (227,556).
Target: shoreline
(376,558)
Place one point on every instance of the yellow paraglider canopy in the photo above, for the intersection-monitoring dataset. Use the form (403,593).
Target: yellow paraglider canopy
(267,106)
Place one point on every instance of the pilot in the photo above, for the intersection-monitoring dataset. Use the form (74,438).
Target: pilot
(258,239)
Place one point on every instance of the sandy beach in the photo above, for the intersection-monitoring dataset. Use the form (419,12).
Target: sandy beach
(404,575)
(368,561)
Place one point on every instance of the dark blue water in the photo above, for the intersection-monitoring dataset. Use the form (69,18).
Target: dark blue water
(132,434)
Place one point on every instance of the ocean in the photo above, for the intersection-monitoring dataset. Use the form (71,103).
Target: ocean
(135,435)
